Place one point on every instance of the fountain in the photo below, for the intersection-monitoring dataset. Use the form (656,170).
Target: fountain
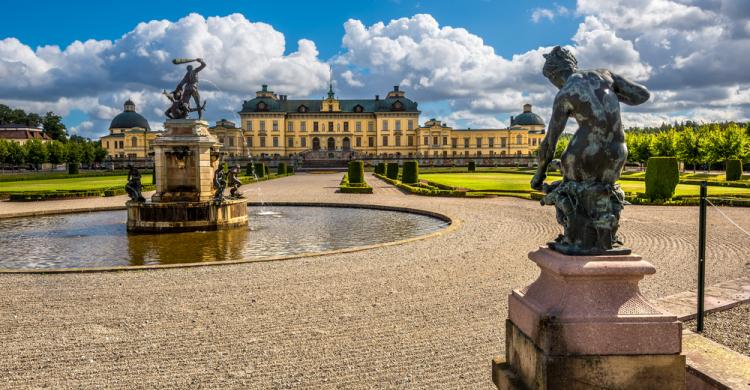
(188,172)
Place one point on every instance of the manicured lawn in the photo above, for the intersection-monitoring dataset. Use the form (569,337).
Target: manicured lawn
(75,183)
(520,182)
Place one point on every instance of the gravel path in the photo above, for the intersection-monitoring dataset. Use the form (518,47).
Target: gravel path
(728,327)
(427,314)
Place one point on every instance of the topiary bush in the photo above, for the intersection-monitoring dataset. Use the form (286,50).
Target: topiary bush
(410,173)
(356,172)
(265,170)
(259,169)
(662,176)
(249,169)
(734,170)
(391,171)
(73,168)
(380,168)
(472,166)
(289,170)
(281,169)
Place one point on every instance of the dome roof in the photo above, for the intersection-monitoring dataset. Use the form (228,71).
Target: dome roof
(527,118)
(129,119)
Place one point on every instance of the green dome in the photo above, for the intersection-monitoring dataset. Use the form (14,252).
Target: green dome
(129,119)
(527,118)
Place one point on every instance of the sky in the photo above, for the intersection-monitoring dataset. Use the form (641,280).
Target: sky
(472,63)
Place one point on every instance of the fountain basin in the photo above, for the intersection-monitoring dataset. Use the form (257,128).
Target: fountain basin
(160,217)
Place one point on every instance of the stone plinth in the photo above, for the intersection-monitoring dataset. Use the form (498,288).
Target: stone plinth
(584,324)
(159,217)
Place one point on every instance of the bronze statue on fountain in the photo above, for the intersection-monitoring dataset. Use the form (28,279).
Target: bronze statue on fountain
(185,90)
(588,200)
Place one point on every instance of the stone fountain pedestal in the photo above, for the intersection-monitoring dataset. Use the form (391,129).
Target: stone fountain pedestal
(185,159)
(583,324)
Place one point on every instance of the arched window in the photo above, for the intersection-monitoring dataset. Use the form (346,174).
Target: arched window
(262,106)
(519,139)
(358,108)
(397,106)
(302,108)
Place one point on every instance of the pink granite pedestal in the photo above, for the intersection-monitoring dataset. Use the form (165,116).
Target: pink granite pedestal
(583,324)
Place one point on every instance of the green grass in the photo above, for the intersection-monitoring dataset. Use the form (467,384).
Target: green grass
(69,184)
(512,182)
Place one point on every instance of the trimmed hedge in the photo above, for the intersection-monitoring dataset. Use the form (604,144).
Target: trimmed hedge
(356,171)
(266,172)
(281,169)
(289,170)
(353,188)
(249,169)
(260,170)
(73,168)
(734,170)
(410,172)
(380,168)
(391,171)
(472,166)
(69,194)
(662,176)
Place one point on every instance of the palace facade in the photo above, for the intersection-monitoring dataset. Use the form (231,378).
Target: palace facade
(273,125)
(129,134)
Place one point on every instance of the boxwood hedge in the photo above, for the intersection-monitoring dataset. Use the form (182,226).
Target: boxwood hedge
(662,176)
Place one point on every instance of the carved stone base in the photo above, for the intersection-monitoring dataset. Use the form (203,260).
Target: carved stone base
(149,217)
(584,324)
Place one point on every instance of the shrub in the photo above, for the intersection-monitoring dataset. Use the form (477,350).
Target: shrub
(259,170)
(734,170)
(356,171)
(73,168)
(662,176)
(265,170)
(281,169)
(410,173)
(249,169)
(472,166)
(380,168)
(391,171)
(353,188)
(289,170)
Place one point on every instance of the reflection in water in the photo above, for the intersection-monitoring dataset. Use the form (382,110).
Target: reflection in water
(100,239)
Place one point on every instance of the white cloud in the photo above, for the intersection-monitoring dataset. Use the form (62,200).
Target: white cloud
(542,13)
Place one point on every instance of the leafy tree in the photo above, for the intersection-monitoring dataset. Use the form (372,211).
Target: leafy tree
(665,144)
(725,144)
(691,148)
(53,127)
(639,147)
(562,144)
(73,153)
(56,152)
(88,153)
(99,152)
(16,154)
(3,151)
(36,153)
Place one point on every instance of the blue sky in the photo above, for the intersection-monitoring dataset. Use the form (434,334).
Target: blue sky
(472,63)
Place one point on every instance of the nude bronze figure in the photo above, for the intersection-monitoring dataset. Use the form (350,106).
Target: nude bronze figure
(588,200)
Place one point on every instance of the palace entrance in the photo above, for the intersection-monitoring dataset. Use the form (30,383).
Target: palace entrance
(346,146)
(316,143)
(331,144)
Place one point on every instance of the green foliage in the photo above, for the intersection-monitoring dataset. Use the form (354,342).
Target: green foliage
(662,176)
(690,147)
(380,168)
(99,152)
(472,166)
(52,126)
(410,173)
(391,171)
(18,116)
(3,151)
(73,167)
(356,171)
(726,144)
(639,147)
(73,152)
(353,188)
(249,169)
(290,170)
(562,144)
(36,152)
(55,152)
(664,144)
(88,153)
(16,154)
(281,169)
(734,169)
(259,169)
(265,170)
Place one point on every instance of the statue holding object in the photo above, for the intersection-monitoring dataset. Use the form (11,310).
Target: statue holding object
(588,200)
(185,90)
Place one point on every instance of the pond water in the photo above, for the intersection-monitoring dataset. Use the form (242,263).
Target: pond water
(99,239)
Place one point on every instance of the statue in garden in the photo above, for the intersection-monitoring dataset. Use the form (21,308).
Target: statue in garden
(234,182)
(133,186)
(220,183)
(588,200)
(185,90)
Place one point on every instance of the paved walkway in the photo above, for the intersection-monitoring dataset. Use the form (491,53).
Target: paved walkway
(427,314)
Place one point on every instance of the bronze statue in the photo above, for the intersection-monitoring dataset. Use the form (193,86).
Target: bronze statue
(234,182)
(588,200)
(220,183)
(185,90)
(133,186)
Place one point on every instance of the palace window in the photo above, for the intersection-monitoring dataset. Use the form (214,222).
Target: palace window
(435,140)
(491,142)
(533,141)
(519,139)
(385,140)
(385,125)
(358,142)
(479,153)
(231,141)
(249,126)
(302,108)
(398,140)
(302,142)
(303,126)
(290,126)
(370,126)
(275,142)
(275,126)
(410,140)
(358,108)
(445,153)
(262,142)
(358,127)
(346,126)
(398,125)
(426,140)
(221,140)
(455,153)
(503,142)
(330,127)
(454,142)
(466,143)
(107,145)
(410,124)
(290,142)
(479,142)
(122,144)
(249,142)
(371,142)
(262,125)
(315,127)
(134,142)
(445,141)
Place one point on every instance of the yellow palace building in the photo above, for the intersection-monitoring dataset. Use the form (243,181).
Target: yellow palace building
(273,125)
(129,134)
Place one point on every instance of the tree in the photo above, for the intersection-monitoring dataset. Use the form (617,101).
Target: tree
(3,151)
(725,144)
(562,144)
(53,127)
(17,116)
(56,152)
(36,153)
(99,152)
(690,148)
(664,144)
(16,154)
(88,153)
(73,153)
(639,146)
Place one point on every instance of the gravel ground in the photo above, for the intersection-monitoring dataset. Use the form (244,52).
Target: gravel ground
(427,314)
(728,327)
